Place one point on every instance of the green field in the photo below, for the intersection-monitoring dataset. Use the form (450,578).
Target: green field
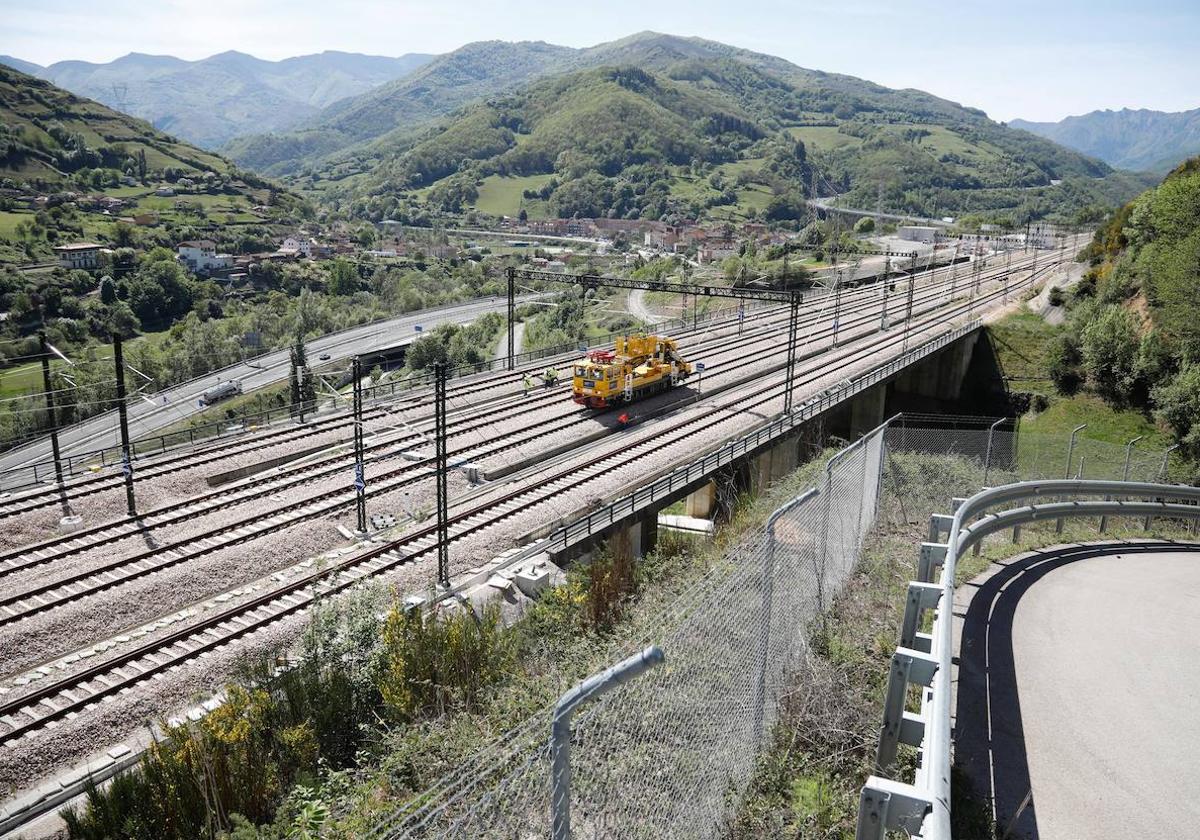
(10,219)
(501,195)
(732,170)
(824,137)
(20,380)
(209,202)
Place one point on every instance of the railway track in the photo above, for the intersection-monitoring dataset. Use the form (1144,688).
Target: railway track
(18,605)
(55,700)
(466,391)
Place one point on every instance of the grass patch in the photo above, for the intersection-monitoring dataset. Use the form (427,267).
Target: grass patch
(9,219)
(21,380)
(823,137)
(1104,423)
(502,196)
(1023,342)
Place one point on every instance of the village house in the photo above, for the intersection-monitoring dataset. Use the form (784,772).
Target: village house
(661,236)
(200,255)
(304,246)
(85,255)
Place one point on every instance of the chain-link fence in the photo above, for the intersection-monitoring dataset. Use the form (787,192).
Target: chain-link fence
(670,753)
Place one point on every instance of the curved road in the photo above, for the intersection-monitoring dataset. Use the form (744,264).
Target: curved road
(179,402)
(639,310)
(1079,691)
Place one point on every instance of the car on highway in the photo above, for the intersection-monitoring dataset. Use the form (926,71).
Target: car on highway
(324,357)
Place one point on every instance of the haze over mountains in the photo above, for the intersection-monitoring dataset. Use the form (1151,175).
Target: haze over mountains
(1152,141)
(212,100)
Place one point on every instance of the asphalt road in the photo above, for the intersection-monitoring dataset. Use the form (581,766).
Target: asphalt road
(1079,687)
(180,402)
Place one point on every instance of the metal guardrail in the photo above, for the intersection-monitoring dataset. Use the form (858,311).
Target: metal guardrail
(653,494)
(922,807)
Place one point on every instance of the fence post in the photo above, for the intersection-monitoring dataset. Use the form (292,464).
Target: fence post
(987,458)
(825,539)
(1124,477)
(1058,525)
(1162,474)
(560,731)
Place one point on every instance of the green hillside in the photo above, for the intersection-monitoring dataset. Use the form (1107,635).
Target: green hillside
(394,111)
(693,128)
(53,142)
(1132,337)
(49,133)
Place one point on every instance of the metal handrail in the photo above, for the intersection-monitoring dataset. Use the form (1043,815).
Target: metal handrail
(923,807)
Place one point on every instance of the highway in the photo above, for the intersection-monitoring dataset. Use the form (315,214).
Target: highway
(1079,679)
(180,402)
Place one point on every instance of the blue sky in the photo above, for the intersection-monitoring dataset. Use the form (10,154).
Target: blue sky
(1037,60)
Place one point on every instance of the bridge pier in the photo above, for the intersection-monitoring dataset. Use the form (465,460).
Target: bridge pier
(867,410)
(701,501)
(956,379)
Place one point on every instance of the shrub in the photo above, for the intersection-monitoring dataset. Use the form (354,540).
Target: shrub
(241,758)
(1063,360)
(1178,404)
(1056,296)
(1110,349)
(435,663)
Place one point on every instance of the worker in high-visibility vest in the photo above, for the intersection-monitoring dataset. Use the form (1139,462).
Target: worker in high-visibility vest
(528,384)
(550,376)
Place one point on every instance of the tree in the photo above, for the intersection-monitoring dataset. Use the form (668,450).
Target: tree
(121,320)
(1178,405)
(1110,348)
(523,215)
(865,225)
(343,279)
(301,382)
(1063,361)
(108,290)
(123,235)
(1156,363)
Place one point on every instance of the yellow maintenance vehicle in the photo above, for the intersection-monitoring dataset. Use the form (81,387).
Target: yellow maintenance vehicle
(640,366)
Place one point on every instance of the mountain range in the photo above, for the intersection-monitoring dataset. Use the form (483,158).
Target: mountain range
(657,123)
(652,125)
(1152,141)
(210,101)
